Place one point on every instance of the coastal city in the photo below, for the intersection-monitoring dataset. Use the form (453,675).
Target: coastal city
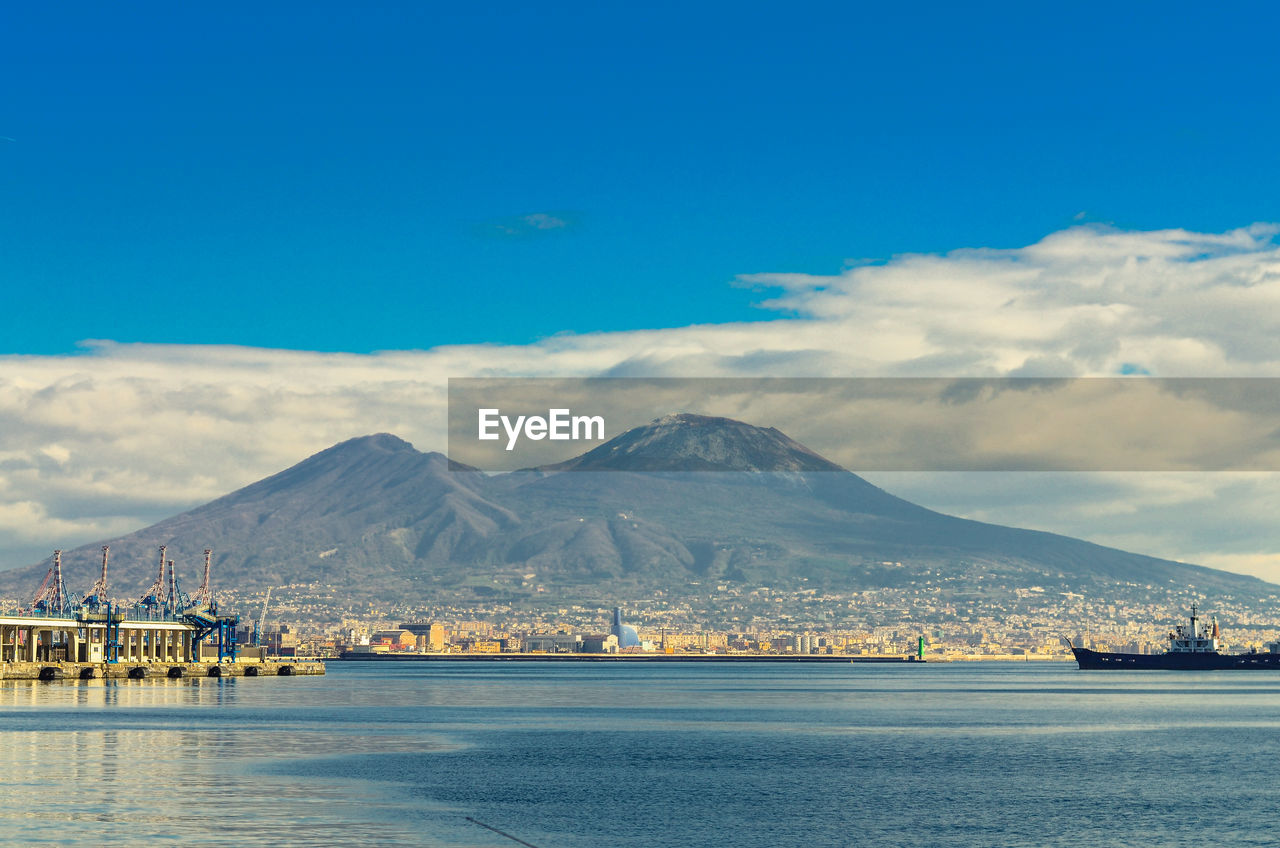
(713,425)
(1036,623)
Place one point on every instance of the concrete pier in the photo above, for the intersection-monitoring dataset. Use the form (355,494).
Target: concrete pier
(54,670)
(131,643)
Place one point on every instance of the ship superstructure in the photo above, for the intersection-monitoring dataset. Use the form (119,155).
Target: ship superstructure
(1194,639)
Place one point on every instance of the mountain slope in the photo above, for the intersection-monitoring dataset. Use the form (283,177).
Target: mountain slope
(358,516)
(377,520)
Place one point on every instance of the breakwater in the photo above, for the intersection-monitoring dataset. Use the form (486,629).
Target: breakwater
(360,656)
(143,670)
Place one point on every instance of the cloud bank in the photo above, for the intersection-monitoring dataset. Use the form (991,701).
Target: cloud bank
(119,436)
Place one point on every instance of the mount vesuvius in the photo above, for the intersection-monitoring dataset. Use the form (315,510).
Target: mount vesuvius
(377,520)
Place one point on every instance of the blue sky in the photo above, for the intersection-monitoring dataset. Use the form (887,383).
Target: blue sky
(289,224)
(333,177)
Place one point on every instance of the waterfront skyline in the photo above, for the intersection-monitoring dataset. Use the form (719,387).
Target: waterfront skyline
(227,247)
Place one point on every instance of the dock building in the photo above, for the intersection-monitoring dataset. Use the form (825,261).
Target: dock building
(165,632)
(89,637)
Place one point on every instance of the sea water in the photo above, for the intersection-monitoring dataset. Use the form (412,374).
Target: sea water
(571,755)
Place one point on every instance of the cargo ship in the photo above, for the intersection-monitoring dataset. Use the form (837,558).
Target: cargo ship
(1191,648)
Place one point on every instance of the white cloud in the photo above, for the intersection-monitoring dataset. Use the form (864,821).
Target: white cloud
(122,435)
(525,226)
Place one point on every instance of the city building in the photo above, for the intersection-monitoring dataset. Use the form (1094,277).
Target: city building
(430,636)
(394,640)
(555,643)
(600,643)
(626,635)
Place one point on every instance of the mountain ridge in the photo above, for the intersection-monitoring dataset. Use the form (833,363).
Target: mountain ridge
(374,518)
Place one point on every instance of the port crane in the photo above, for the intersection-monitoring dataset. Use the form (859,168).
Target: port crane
(204,595)
(52,594)
(96,597)
(153,598)
(262,620)
(163,600)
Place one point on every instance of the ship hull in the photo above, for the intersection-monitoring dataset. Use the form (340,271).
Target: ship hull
(1207,661)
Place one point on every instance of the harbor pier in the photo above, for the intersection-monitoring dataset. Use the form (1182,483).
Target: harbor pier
(84,644)
(83,636)
(165,633)
(282,667)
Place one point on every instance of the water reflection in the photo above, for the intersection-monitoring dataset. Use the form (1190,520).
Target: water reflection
(400,756)
(130,762)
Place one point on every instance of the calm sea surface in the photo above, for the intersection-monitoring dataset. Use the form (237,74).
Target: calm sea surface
(578,755)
